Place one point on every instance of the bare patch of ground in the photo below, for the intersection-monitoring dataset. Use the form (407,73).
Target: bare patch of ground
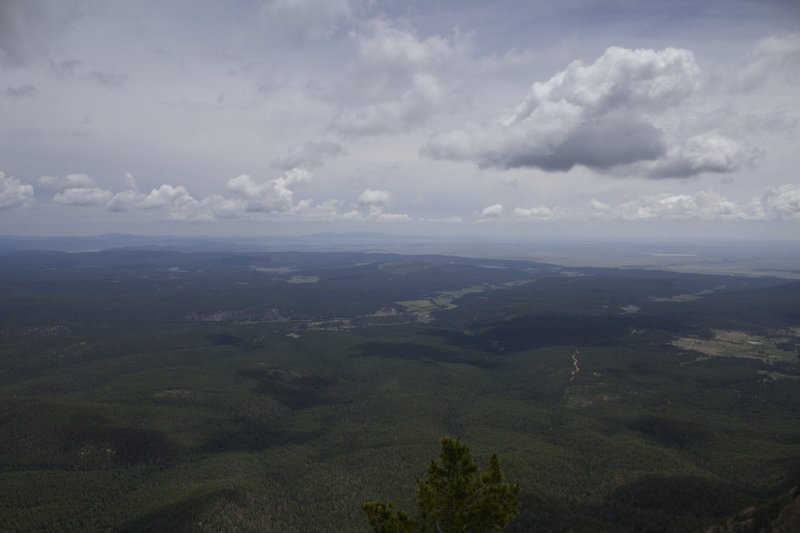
(274,270)
(423,309)
(727,343)
(686,297)
(303,279)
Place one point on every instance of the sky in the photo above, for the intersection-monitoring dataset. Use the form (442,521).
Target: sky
(508,119)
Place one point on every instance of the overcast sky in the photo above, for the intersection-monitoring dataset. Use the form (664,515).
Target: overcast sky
(550,119)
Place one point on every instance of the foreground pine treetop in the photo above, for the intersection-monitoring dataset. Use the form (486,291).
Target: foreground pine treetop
(453,496)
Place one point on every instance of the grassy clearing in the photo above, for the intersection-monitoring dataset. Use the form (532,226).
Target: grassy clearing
(738,344)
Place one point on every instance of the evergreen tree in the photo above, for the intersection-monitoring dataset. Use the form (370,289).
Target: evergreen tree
(453,497)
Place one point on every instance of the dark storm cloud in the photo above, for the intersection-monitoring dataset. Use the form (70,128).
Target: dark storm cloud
(596,144)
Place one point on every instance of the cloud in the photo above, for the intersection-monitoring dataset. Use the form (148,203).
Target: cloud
(110,80)
(395,83)
(327,210)
(781,203)
(373,197)
(453,219)
(774,203)
(309,155)
(65,68)
(167,195)
(308,19)
(28,27)
(22,91)
(83,196)
(13,193)
(776,57)
(393,217)
(607,116)
(73,189)
(58,184)
(492,212)
(177,203)
(534,213)
(375,201)
(164,197)
(708,152)
(276,195)
(130,181)
(252,199)
(702,205)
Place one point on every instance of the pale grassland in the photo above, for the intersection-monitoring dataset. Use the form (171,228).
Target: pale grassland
(686,297)
(726,343)
(297,280)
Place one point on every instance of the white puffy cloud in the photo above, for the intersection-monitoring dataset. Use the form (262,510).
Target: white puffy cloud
(702,205)
(274,199)
(164,197)
(212,207)
(175,202)
(125,200)
(708,152)
(395,83)
(276,195)
(83,196)
(375,201)
(374,197)
(492,212)
(782,203)
(58,184)
(14,193)
(453,219)
(608,115)
(327,210)
(774,203)
(309,155)
(620,78)
(167,195)
(393,217)
(534,213)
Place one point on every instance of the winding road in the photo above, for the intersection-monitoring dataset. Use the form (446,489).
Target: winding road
(575,368)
